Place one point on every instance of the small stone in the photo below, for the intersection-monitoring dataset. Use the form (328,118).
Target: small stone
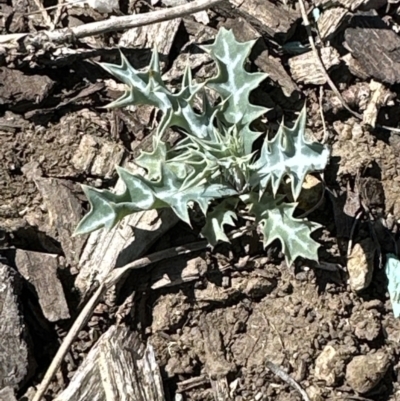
(327,364)
(315,393)
(364,372)
(360,265)
(366,324)
(258,287)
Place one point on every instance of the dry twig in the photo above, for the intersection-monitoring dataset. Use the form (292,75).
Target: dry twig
(44,13)
(60,36)
(288,379)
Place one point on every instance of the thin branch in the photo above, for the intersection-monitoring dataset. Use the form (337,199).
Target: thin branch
(58,13)
(44,13)
(321,110)
(64,35)
(288,379)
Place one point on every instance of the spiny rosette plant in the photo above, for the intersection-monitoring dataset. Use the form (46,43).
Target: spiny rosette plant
(214,162)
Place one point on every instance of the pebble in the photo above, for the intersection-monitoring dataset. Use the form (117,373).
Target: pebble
(364,372)
(360,265)
(325,365)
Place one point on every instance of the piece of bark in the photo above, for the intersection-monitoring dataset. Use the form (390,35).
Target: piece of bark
(375,46)
(161,35)
(305,67)
(244,31)
(273,19)
(64,211)
(16,364)
(7,394)
(173,272)
(40,270)
(380,96)
(331,21)
(23,90)
(119,367)
(352,5)
(128,241)
(97,157)
(355,67)
(216,365)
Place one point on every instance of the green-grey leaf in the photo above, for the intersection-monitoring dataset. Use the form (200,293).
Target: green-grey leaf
(234,83)
(222,214)
(277,222)
(288,154)
(392,270)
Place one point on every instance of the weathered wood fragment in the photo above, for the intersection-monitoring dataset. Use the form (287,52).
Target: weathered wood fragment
(375,46)
(126,242)
(160,35)
(23,90)
(16,363)
(380,96)
(171,273)
(330,22)
(355,67)
(273,19)
(119,367)
(97,157)
(40,269)
(352,5)
(305,67)
(216,365)
(64,211)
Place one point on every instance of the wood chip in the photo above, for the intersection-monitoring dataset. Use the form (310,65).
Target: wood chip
(160,35)
(14,355)
(118,367)
(380,96)
(97,157)
(274,19)
(64,212)
(330,22)
(40,270)
(305,67)
(375,46)
(355,67)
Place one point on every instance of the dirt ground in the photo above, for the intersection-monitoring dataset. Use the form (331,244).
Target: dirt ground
(245,311)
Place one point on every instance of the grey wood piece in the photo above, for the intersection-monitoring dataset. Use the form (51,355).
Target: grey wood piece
(16,364)
(119,368)
(40,269)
